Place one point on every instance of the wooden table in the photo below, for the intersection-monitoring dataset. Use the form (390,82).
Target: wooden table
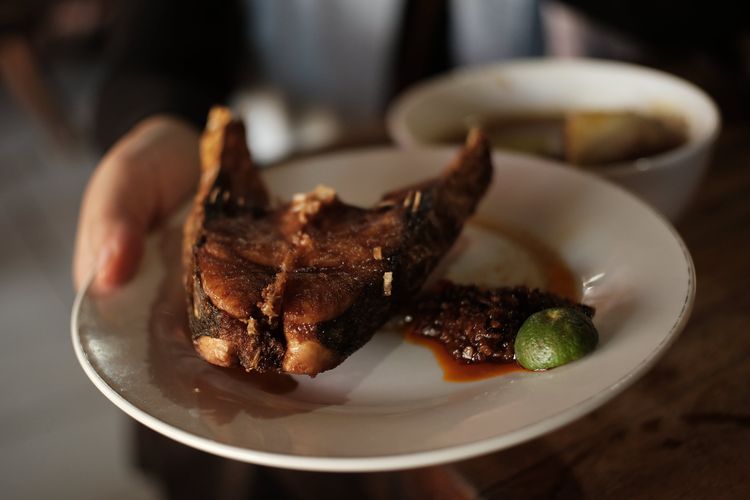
(682,431)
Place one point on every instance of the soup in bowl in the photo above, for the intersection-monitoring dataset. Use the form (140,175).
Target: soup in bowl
(644,129)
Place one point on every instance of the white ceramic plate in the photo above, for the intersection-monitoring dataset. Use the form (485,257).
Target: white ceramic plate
(387,406)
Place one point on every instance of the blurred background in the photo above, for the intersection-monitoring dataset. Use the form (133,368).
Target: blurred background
(54,55)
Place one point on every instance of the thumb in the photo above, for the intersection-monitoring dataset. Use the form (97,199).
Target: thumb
(114,219)
(119,256)
(139,182)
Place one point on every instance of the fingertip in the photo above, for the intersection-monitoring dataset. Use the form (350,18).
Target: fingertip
(119,259)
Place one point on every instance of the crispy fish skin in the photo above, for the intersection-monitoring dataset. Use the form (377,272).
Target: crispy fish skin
(299,288)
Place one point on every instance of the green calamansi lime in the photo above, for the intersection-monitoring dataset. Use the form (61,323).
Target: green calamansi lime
(553,337)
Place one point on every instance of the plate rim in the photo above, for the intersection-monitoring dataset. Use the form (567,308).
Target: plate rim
(408,460)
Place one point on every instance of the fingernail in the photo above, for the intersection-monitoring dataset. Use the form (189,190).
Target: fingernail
(101,272)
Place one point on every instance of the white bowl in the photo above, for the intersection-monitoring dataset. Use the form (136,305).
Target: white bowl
(667,181)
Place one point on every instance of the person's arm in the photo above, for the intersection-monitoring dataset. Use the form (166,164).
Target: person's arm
(170,61)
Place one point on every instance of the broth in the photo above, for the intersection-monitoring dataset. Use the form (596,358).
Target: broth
(586,138)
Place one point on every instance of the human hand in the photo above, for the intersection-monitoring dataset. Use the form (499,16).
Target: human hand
(138,183)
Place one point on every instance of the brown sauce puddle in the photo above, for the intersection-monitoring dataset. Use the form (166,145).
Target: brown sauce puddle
(559,280)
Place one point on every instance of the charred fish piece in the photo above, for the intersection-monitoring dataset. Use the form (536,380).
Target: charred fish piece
(299,287)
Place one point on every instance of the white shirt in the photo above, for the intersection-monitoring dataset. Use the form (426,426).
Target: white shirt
(338,53)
